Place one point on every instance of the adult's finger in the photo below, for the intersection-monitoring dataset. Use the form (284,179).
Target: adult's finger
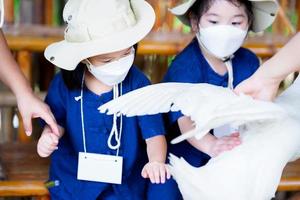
(50,120)
(27,124)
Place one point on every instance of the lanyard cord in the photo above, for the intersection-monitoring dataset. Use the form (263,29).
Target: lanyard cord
(81,112)
(228,65)
(114,130)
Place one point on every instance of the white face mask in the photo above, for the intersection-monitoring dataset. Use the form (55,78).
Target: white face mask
(112,73)
(222,40)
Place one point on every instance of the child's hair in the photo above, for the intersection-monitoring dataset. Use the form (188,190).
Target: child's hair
(72,79)
(202,6)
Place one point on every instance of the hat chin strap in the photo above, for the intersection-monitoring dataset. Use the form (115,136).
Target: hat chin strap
(227,61)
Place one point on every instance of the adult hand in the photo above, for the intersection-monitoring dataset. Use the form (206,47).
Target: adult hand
(259,88)
(30,107)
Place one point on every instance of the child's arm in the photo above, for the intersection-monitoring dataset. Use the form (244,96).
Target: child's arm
(209,144)
(156,168)
(48,141)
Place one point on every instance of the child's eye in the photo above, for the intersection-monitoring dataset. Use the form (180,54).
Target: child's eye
(213,22)
(236,23)
(106,61)
(128,53)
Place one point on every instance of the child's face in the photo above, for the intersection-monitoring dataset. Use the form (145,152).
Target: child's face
(223,12)
(103,59)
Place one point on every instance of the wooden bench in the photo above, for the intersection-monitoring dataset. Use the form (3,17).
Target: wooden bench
(290,180)
(25,172)
(35,38)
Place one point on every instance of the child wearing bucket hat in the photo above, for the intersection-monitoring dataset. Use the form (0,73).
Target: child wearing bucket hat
(215,57)
(98,156)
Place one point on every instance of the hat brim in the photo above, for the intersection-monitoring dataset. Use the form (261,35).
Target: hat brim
(67,55)
(264,11)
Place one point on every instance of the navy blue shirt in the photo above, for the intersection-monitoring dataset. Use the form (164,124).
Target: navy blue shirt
(97,127)
(190,66)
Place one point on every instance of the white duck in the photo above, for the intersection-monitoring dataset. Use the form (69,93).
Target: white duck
(270,137)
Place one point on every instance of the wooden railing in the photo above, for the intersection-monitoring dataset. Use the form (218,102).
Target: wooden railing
(25,40)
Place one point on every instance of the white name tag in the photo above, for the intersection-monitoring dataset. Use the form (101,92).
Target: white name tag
(99,168)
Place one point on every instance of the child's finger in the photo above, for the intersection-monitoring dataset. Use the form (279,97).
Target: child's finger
(151,176)
(168,172)
(53,148)
(223,147)
(54,138)
(219,150)
(48,148)
(42,151)
(49,118)
(226,138)
(162,172)
(42,154)
(156,174)
(39,151)
(233,142)
(46,140)
(48,152)
(236,134)
(144,173)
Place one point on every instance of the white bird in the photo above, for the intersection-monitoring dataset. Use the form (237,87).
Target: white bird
(270,137)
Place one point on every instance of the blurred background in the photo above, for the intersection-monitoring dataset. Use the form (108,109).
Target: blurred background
(31,25)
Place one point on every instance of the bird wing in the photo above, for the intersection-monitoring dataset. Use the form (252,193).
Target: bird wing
(207,105)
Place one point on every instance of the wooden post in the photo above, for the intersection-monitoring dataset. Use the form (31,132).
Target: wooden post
(298,12)
(6,124)
(24,59)
(46,197)
(48,12)
(9,11)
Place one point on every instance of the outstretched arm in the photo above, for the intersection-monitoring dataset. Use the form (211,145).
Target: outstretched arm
(265,82)
(29,105)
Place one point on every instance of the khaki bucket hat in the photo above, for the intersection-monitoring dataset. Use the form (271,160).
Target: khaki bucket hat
(264,12)
(99,27)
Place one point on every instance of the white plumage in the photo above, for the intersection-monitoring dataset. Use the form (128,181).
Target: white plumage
(270,137)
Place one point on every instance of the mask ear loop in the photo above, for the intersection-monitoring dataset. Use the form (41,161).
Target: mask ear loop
(2,13)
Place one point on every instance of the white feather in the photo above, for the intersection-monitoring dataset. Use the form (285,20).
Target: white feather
(208,105)
(253,169)
(270,137)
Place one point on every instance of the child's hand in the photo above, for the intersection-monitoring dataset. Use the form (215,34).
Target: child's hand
(156,171)
(47,143)
(225,143)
